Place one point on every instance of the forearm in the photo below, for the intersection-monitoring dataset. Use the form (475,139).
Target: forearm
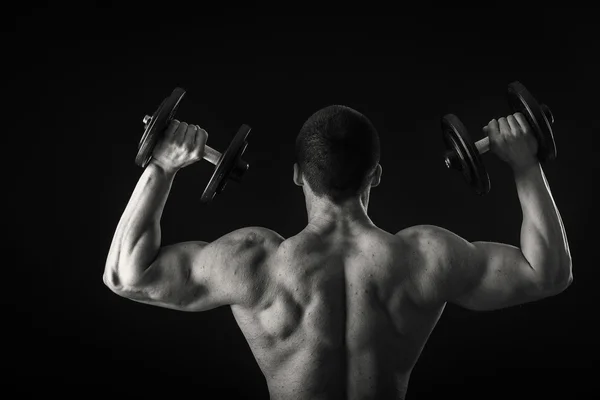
(137,239)
(543,238)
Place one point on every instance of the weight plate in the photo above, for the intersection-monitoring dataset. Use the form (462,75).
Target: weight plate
(522,101)
(228,161)
(464,155)
(156,126)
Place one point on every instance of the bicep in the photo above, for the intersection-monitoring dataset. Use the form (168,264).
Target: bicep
(170,281)
(489,276)
(199,276)
(475,275)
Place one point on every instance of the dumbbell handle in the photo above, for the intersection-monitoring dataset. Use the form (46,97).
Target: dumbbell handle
(483,145)
(211,155)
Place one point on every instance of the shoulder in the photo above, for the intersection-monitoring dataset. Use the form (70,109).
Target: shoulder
(433,252)
(246,248)
(251,238)
(238,261)
(431,239)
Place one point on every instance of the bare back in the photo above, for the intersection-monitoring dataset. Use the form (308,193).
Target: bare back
(339,318)
(343,309)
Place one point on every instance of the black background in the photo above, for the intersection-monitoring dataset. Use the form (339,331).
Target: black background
(78,81)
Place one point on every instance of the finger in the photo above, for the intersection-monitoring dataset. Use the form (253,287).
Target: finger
(523,122)
(492,129)
(190,135)
(201,138)
(180,132)
(172,127)
(514,125)
(504,127)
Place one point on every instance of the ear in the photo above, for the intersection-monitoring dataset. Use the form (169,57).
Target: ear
(298,175)
(376,179)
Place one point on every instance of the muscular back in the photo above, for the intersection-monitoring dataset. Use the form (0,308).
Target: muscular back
(343,315)
(342,311)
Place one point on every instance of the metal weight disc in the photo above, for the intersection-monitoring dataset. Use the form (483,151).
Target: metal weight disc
(539,118)
(155,127)
(462,154)
(229,161)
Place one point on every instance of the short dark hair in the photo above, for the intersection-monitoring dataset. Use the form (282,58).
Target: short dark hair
(337,151)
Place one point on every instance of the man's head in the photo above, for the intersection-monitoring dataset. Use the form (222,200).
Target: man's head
(337,154)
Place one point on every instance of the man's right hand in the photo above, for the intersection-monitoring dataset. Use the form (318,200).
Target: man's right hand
(512,140)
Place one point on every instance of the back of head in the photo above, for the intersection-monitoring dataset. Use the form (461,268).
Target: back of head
(337,151)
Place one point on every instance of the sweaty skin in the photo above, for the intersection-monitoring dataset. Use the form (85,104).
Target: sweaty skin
(343,309)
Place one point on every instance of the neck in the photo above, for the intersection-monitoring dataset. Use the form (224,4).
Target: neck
(323,214)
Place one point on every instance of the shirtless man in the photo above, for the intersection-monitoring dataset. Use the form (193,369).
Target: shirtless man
(343,309)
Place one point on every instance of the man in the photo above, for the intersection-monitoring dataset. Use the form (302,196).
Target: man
(343,309)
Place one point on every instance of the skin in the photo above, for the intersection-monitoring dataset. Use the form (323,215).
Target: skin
(343,309)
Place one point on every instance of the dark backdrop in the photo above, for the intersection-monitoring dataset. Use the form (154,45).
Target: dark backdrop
(79,80)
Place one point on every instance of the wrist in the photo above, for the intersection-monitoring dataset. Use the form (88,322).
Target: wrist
(529,177)
(526,170)
(163,169)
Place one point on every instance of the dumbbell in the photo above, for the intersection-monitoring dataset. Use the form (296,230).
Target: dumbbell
(464,155)
(228,166)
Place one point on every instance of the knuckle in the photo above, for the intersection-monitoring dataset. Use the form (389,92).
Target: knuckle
(202,135)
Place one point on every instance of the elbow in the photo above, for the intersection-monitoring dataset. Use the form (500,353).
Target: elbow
(111,280)
(118,278)
(569,273)
(563,284)
(109,276)
(561,280)
(565,278)
(569,281)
